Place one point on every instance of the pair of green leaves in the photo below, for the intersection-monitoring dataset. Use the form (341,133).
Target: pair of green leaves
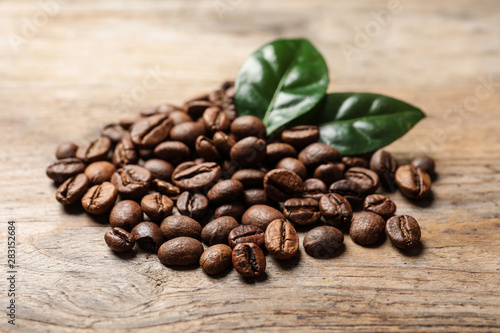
(284,83)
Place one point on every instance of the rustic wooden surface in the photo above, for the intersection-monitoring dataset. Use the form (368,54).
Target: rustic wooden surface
(72,75)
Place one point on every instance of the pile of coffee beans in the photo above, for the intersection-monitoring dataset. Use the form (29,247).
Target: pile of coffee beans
(177,177)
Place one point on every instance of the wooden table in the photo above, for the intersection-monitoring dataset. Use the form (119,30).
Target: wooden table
(85,65)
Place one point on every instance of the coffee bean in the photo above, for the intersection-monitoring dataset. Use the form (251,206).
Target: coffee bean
(255,196)
(413,182)
(179,225)
(329,172)
(99,172)
(380,204)
(403,231)
(223,143)
(367,228)
(215,120)
(322,242)
(181,251)
(148,236)
(314,188)
(119,240)
(350,190)
(335,209)
(197,176)
(294,165)
(63,169)
(425,163)
(250,178)
(132,181)
(283,184)
(225,190)
(178,117)
(217,231)
(159,169)
(246,126)
(234,209)
(187,132)
(217,97)
(194,205)
(281,239)
(277,151)
(149,132)
(93,151)
(260,216)
(125,153)
(318,153)
(366,178)
(249,260)
(352,162)
(206,149)
(172,151)
(72,190)
(248,152)
(66,150)
(156,206)
(170,190)
(300,136)
(99,198)
(196,108)
(216,259)
(115,132)
(385,165)
(246,234)
(302,211)
(126,214)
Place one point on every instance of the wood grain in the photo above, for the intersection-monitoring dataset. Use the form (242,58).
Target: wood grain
(74,76)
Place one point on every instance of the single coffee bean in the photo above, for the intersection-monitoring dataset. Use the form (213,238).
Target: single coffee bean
(179,117)
(300,136)
(249,260)
(380,204)
(197,176)
(96,150)
(99,172)
(206,149)
(283,184)
(350,190)
(366,178)
(125,153)
(148,236)
(99,199)
(179,226)
(115,132)
(63,169)
(187,132)
(149,132)
(302,211)
(403,231)
(351,162)
(277,151)
(215,120)
(196,108)
(367,228)
(159,169)
(216,259)
(225,190)
(255,196)
(385,165)
(249,151)
(260,216)
(318,153)
(281,239)
(250,178)
(66,150)
(314,188)
(194,205)
(172,151)
(223,142)
(234,209)
(181,251)
(246,126)
(329,172)
(119,240)
(217,231)
(425,163)
(166,188)
(126,214)
(294,165)
(132,181)
(335,209)
(322,242)
(72,190)
(413,182)
(157,206)
(246,234)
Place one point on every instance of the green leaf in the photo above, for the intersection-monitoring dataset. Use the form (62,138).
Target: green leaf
(281,81)
(358,123)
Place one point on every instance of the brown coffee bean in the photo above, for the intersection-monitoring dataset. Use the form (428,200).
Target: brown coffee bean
(385,165)
(119,240)
(283,184)
(281,239)
(318,153)
(172,151)
(403,231)
(335,209)
(216,259)
(125,153)
(93,151)
(148,236)
(367,228)
(187,132)
(314,188)
(250,178)
(249,260)
(277,151)
(179,225)
(66,150)
(194,205)
(223,142)
(215,120)
(367,179)
(260,216)
(248,152)
(351,162)
(217,231)
(115,132)
(159,169)
(170,190)
(255,196)
(294,165)
(234,209)
(126,214)
(350,190)
(246,234)
(425,163)
(181,251)
(302,211)
(414,183)
(63,169)
(380,204)
(196,108)
(329,172)
(217,97)
(99,172)
(206,149)
(149,132)
(99,198)
(179,117)
(72,190)
(246,126)
(322,242)
(132,181)
(225,190)
(156,206)
(300,136)
(196,176)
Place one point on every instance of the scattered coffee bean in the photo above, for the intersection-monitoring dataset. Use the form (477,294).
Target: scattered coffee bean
(413,182)
(179,117)
(322,242)
(300,136)
(148,236)
(250,178)
(278,151)
(352,162)
(156,206)
(196,108)
(403,231)
(93,151)
(248,126)
(350,190)
(314,188)
(225,190)
(119,240)
(283,184)
(126,214)
(63,169)
(302,211)
(366,178)
(125,153)
(281,239)
(223,142)
(380,204)
(170,190)
(216,120)
(159,169)
(217,231)
(246,234)
(72,190)
(248,152)
(385,165)
(294,165)
(187,132)
(260,216)
(115,132)
(149,132)
(194,205)
(206,149)
(196,176)
(367,228)
(318,153)
(66,150)
(335,209)
(99,172)
(181,251)
(234,209)
(172,151)
(255,196)
(99,199)
(132,181)
(425,163)
(179,225)
(329,172)
(216,259)
(249,260)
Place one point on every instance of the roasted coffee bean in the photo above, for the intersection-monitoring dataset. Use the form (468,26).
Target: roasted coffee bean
(380,204)
(250,178)
(318,153)
(179,226)
(157,206)
(172,151)
(99,172)
(132,181)
(196,176)
(96,150)
(385,165)
(196,108)
(351,162)
(63,169)
(281,239)
(72,190)
(179,117)
(425,163)
(300,136)
(217,97)
(367,228)
(149,132)
(246,234)
(126,214)
(206,149)
(403,231)
(277,151)
(249,260)
(187,132)
(66,150)
(255,196)
(314,188)
(329,172)
(413,182)
(294,165)
(115,132)
(229,168)
(99,198)
(223,142)
(234,209)
(260,216)
(159,169)
(225,190)
(119,240)
(302,211)
(216,259)
(248,152)
(366,178)
(322,242)
(181,251)
(217,231)
(194,205)
(335,209)
(125,153)
(148,236)
(246,126)
(170,190)
(283,184)
(215,120)
(350,190)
